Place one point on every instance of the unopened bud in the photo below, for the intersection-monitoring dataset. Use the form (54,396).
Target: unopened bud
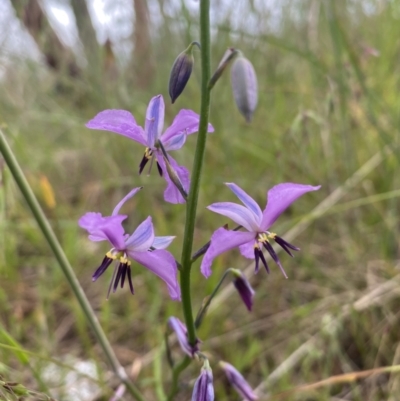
(180,72)
(244,85)
(238,382)
(181,334)
(203,389)
(244,288)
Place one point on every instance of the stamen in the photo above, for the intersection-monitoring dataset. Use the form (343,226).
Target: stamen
(107,260)
(274,256)
(151,166)
(125,268)
(257,258)
(148,154)
(118,276)
(285,245)
(264,261)
(112,280)
(159,169)
(130,279)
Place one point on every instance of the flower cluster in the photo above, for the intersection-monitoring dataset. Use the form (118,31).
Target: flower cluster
(252,237)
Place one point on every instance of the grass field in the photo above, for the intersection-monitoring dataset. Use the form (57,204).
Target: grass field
(328,114)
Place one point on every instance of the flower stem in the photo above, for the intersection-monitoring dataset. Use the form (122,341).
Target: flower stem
(191,205)
(59,254)
(175,376)
(203,309)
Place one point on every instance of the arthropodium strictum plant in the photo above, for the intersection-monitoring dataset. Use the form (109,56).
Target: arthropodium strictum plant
(252,236)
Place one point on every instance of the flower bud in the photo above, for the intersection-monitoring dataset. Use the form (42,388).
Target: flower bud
(181,334)
(203,389)
(244,288)
(238,382)
(180,72)
(244,85)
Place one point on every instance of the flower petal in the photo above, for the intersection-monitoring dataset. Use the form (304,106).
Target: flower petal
(176,142)
(238,213)
(108,228)
(142,238)
(154,120)
(247,200)
(120,204)
(280,197)
(119,121)
(223,240)
(187,122)
(162,264)
(247,249)
(162,242)
(171,193)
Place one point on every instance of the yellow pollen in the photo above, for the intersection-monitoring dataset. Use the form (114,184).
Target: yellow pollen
(148,153)
(110,255)
(124,260)
(272,235)
(262,237)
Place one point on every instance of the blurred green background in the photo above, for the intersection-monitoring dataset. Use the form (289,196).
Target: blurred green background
(328,113)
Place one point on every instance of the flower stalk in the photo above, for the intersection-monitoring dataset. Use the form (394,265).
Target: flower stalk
(191,206)
(59,254)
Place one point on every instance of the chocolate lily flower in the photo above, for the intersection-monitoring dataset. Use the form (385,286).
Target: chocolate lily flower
(142,246)
(173,138)
(256,222)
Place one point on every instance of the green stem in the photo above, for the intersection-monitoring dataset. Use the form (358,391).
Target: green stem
(175,376)
(59,254)
(203,310)
(191,206)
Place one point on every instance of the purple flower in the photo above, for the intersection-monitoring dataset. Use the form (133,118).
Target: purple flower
(185,123)
(141,246)
(238,382)
(256,222)
(244,288)
(203,389)
(181,333)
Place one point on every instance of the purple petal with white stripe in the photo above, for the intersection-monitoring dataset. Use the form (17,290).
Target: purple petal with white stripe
(154,123)
(238,213)
(247,200)
(142,238)
(162,242)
